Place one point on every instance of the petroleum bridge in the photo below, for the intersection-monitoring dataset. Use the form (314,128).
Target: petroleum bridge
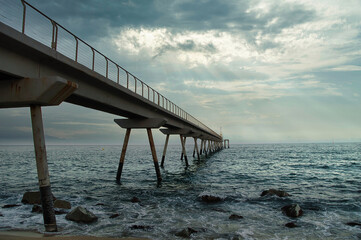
(44,64)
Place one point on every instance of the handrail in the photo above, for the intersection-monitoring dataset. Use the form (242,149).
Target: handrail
(55,40)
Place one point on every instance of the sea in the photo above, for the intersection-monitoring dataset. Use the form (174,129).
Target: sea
(324,179)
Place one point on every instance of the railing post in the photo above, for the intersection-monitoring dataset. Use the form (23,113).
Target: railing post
(24,16)
(54,39)
(117,74)
(127,80)
(76,49)
(93,58)
(135,84)
(106,70)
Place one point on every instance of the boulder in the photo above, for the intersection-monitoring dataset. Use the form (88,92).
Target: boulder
(80,214)
(37,209)
(291,225)
(11,206)
(135,200)
(271,192)
(32,198)
(354,224)
(293,210)
(115,215)
(62,204)
(141,227)
(186,233)
(235,217)
(211,199)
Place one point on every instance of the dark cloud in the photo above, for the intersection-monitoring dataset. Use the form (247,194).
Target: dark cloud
(95,17)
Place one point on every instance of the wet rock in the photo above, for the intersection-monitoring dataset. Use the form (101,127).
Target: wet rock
(37,209)
(135,200)
(10,206)
(141,227)
(62,204)
(80,214)
(115,215)
(293,210)
(210,199)
(235,217)
(186,233)
(271,192)
(291,225)
(354,224)
(33,198)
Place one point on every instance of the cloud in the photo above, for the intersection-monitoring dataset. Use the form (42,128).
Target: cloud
(346,68)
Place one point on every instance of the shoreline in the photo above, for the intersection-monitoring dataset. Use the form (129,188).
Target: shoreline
(29,235)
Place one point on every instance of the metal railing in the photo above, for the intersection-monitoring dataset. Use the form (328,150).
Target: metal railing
(71,46)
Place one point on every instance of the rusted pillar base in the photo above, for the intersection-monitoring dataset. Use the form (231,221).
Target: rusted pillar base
(154,154)
(122,156)
(42,169)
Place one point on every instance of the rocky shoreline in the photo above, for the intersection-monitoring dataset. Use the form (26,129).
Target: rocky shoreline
(82,215)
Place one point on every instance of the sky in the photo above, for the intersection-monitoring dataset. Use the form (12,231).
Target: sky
(257,71)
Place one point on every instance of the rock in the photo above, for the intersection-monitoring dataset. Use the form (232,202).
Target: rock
(210,199)
(135,200)
(60,212)
(37,209)
(186,233)
(353,224)
(11,206)
(80,214)
(293,210)
(235,217)
(140,227)
(115,215)
(291,225)
(62,204)
(276,192)
(33,198)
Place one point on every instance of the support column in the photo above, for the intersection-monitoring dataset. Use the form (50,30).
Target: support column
(205,148)
(184,149)
(185,139)
(164,150)
(42,169)
(201,150)
(196,148)
(154,154)
(122,156)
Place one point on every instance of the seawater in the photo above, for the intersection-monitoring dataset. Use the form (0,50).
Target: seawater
(324,179)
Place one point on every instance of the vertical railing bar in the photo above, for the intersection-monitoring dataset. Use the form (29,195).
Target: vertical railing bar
(76,49)
(117,73)
(127,80)
(135,84)
(158,99)
(107,65)
(24,16)
(93,58)
(142,88)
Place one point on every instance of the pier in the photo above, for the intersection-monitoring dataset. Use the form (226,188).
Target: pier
(35,72)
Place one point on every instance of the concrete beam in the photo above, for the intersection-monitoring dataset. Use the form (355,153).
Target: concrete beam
(141,123)
(181,131)
(45,91)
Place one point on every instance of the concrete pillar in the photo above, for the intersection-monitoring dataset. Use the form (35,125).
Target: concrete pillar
(154,154)
(183,142)
(42,169)
(164,150)
(185,139)
(122,156)
(196,148)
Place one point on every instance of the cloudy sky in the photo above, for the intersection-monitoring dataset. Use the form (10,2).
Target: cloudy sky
(259,71)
